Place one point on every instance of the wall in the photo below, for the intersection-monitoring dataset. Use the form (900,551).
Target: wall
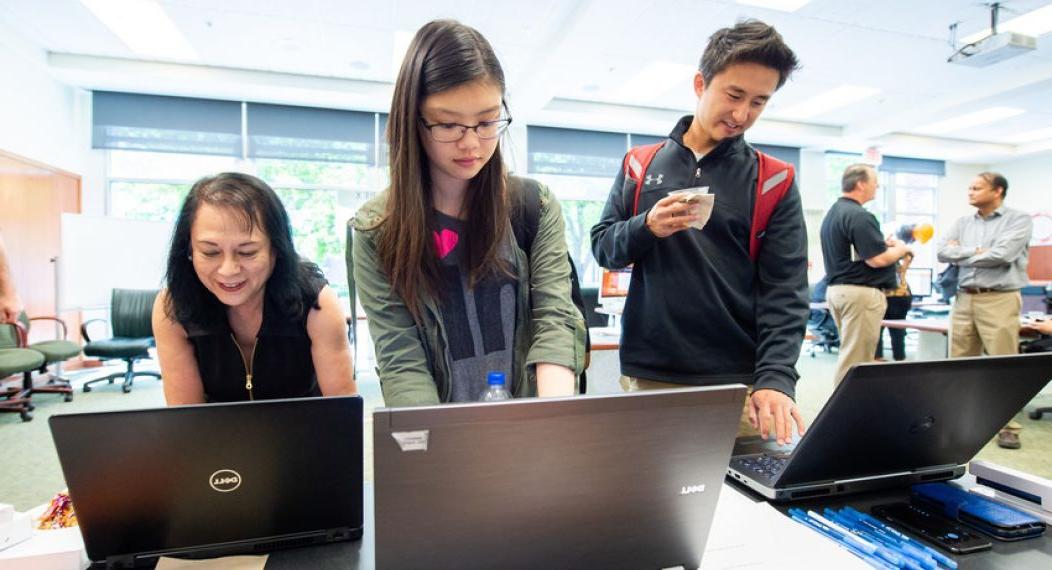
(45,120)
(952,196)
(1030,190)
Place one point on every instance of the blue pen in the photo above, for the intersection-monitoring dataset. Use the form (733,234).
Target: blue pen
(915,557)
(846,536)
(938,556)
(912,560)
(883,551)
(802,518)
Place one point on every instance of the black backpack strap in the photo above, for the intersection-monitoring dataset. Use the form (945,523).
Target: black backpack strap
(526,211)
(525,197)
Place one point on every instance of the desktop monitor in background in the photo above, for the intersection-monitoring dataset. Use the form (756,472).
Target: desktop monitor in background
(613,285)
(919,279)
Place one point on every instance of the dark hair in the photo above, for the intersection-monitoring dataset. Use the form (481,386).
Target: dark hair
(858,172)
(749,41)
(291,287)
(443,55)
(997,180)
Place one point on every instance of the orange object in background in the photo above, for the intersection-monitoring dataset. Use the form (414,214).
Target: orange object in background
(910,233)
(923,232)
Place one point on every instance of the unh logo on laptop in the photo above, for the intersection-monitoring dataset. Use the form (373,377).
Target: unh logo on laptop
(225,480)
(692,489)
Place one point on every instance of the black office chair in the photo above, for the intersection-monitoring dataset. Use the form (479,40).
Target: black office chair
(130,319)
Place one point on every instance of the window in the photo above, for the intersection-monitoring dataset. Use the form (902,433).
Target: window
(579,167)
(582,199)
(322,163)
(907,195)
(319,196)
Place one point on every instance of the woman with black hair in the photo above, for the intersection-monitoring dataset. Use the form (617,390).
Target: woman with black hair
(243,317)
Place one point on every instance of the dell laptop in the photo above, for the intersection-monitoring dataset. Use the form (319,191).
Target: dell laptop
(612,481)
(895,424)
(214,479)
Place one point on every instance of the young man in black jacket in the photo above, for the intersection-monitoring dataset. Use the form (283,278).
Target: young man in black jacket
(700,311)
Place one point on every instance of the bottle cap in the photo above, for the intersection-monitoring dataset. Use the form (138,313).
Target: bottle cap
(495,379)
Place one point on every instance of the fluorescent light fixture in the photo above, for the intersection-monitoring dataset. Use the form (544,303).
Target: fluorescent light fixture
(782,5)
(399,47)
(833,99)
(1034,23)
(1031,136)
(654,80)
(144,27)
(975,119)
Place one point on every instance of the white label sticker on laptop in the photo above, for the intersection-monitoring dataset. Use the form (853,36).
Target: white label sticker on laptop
(412,440)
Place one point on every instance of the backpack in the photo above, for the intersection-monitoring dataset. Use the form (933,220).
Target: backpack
(947,281)
(525,220)
(772,184)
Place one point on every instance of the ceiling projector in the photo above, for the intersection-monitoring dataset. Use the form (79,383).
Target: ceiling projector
(993,49)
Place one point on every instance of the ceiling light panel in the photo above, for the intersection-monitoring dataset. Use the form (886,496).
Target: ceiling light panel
(833,99)
(144,27)
(986,116)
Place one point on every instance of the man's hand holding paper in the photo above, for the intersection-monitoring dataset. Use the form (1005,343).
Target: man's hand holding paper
(681,209)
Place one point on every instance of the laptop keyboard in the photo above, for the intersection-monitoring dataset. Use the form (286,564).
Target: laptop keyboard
(763,465)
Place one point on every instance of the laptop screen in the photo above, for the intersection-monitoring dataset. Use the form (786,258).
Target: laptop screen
(213,479)
(614,284)
(626,480)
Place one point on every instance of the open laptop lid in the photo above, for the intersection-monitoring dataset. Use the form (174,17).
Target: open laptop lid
(616,481)
(887,418)
(213,479)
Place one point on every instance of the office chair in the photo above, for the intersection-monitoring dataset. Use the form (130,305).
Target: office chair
(823,329)
(55,352)
(130,320)
(16,359)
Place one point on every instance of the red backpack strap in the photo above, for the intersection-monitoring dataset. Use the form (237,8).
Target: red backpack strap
(773,182)
(637,161)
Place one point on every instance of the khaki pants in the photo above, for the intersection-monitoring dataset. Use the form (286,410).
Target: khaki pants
(857,311)
(630,384)
(986,322)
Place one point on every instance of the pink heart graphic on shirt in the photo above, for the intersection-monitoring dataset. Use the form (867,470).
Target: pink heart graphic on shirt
(445,241)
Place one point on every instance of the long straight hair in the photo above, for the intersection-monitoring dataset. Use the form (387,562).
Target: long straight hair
(443,55)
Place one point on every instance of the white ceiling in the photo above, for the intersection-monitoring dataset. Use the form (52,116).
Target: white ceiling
(566,62)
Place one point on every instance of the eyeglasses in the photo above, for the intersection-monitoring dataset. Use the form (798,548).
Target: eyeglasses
(453,132)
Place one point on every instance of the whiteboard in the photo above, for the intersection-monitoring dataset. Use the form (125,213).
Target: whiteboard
(100,254)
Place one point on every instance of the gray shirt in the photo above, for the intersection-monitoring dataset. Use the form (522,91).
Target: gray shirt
(479,320)
(1004,237)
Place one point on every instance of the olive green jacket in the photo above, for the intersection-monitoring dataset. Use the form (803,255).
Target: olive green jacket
(412,359)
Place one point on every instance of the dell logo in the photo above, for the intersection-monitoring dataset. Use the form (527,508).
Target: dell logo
(692,489)
(225,480)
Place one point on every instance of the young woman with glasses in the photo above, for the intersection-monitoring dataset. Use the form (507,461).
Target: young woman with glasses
(449,293)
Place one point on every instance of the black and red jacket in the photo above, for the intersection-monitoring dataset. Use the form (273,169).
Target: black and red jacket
(699,310)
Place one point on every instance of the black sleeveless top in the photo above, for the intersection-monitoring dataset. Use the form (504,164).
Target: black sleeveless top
(282,366)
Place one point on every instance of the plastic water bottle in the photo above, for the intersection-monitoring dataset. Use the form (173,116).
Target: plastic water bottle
(495,390)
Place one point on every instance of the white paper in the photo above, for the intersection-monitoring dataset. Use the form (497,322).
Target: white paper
(701,203)
(224,563)
(748,534)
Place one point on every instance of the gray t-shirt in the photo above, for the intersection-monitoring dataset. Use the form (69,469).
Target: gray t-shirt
(479,322)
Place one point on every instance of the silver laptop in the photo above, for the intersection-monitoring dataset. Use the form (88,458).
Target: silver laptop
(212,480)
(617,481)
(895,424)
